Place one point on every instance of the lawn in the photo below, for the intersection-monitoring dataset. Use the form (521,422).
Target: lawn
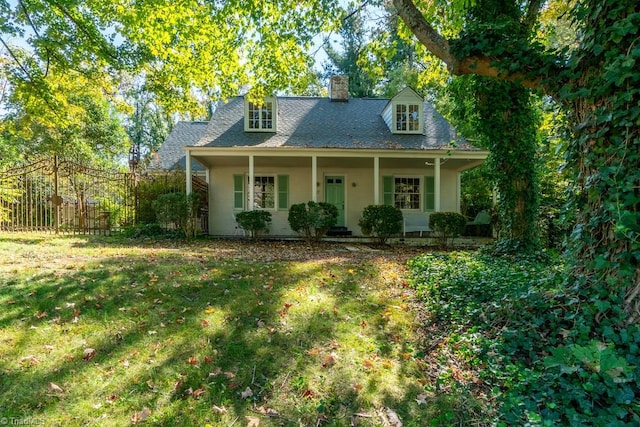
(109,331)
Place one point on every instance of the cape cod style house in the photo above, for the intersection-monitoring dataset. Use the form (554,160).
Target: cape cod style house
(348,152)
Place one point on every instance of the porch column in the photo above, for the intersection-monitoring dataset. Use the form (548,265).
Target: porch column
(314,178)
(252,183)
(458,190)
(188,172)
(376,180)
(436,183)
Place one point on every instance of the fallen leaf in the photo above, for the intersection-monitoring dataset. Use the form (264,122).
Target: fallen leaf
(192,360)
(246,393)
(269,412)
(141,416)
(367,363)
(204,323)
(208,359)
(197,393)
(328,361)
(41,314)
(112,398)
(356,387)
(150,384)
(307,394)
(30,360)
(88,354)
(421,399)
(229,375)
(55,388)
(252,421)
(209,310)
(219,409)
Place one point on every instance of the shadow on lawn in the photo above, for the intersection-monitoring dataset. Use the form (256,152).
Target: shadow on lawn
(178,333)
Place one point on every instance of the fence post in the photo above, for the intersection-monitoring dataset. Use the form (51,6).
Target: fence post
(55,194)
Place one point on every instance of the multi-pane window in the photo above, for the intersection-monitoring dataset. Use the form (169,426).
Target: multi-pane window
(261,115)
(264,192)
(407,193)
(407,117)
(268,192)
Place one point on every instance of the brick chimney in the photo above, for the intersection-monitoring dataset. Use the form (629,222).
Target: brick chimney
(339,88)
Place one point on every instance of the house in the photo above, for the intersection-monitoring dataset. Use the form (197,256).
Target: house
(348,152)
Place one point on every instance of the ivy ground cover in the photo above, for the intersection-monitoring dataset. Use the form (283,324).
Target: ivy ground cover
(108,331)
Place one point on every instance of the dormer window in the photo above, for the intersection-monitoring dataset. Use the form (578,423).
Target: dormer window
(405,112)
(407,117)
(260,117)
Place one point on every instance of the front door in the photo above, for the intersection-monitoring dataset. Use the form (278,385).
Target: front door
(334,194)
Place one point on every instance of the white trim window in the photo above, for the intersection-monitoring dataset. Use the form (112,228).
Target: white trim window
(407,193)
(261,117)
(407,118)
(264,192)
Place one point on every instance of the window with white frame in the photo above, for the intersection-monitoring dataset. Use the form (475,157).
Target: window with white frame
(407,117)
(269,191)
(264,192)
(407,192)
(260,116)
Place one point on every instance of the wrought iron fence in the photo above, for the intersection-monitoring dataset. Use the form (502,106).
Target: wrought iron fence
(63,196)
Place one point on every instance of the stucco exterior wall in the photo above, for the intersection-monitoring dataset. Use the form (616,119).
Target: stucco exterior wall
(359,193)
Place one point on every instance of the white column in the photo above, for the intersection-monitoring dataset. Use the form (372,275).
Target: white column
(188,172)
(376,180)
(314,178)
(458,190)
(436,183)
(252,183)
(207,176)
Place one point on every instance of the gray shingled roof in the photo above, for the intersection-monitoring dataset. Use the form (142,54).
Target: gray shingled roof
(319,123)
(171,153)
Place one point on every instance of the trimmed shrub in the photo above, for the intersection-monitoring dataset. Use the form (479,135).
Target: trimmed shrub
(381,222)
(312,220)
(255,222)
(178,211)
(447,225)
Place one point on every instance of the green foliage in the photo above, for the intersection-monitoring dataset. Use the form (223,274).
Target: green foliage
(178,211)
(152,186)
(312,220)
(602,153)
(256,222)
(447,225)
(381,222)
(550,355)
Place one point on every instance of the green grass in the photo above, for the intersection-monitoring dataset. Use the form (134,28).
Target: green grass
(207,332)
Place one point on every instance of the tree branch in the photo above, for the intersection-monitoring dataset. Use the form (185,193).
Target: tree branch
(35,31)
(425,33)
(532,13)
(439,46)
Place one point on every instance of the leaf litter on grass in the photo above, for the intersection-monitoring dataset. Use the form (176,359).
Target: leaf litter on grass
(281,332)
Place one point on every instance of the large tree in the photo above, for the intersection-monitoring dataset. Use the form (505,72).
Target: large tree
(597,82)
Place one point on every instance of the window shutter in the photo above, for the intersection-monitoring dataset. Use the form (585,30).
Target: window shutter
(429,193)
(283,192)
(238,191)
(387,190)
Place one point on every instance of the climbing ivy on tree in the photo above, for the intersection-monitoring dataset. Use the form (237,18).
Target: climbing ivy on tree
(596,81)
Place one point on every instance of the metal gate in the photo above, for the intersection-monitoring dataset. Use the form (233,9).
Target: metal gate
(63,196)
